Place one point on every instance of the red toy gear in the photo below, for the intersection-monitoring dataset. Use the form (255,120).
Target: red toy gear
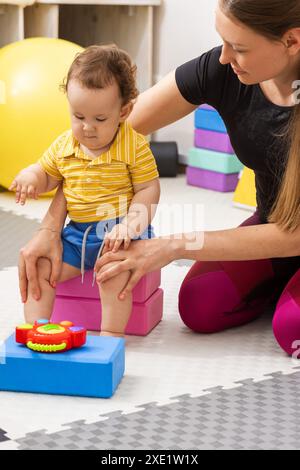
(48,337)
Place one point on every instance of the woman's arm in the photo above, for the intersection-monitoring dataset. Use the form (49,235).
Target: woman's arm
(45,243)
(159,106)
(57,212)
(238,244)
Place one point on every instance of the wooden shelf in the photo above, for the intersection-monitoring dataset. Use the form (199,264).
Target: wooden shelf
(128,23)
(105,2)
(25,3)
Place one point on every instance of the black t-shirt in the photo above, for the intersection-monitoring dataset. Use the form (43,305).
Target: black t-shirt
(252,121)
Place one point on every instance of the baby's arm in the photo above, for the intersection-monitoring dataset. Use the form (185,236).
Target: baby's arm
(140,214)
(31,182)
(143,206)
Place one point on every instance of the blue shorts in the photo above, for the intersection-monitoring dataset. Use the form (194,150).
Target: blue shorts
(72,238)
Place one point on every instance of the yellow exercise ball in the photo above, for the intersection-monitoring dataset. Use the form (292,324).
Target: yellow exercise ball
(33,110)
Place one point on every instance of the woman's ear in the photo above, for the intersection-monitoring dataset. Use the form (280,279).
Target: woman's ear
(291,40)
(125,111)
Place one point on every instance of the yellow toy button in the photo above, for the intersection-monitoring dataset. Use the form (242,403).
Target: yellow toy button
(26,326)
(66,323)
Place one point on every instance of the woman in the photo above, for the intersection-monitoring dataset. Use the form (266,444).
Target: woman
(249,80)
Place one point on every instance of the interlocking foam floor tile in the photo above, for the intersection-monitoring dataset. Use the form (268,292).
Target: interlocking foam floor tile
(256,416)
(15,232)
(172,361)
(3,436)
(173,367)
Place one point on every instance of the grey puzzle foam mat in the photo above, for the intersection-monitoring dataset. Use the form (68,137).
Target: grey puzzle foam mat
(15,232)
(3,436)
(257,416)
(252,414)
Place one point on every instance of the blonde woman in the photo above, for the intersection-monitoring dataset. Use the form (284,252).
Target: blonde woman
(249,80)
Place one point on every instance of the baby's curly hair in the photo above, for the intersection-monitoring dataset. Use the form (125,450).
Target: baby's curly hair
(97,66)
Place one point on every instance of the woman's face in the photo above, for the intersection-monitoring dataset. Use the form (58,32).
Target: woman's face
(253,57)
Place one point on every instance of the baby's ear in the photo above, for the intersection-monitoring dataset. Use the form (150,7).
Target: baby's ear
(125,111)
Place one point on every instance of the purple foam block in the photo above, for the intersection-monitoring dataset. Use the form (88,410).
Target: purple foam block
(211,140)
(207,107)
(212,180)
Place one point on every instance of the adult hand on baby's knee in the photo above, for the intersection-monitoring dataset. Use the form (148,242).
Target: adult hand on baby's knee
(45,244)
(143,256)
(106,268)
(112,264)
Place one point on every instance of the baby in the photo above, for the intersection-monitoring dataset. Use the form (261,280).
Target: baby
(109,178)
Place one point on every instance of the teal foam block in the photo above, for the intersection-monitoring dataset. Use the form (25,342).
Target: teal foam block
(210,120)
(94,370)
(214,161)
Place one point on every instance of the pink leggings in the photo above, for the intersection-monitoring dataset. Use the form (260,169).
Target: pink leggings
(218,295)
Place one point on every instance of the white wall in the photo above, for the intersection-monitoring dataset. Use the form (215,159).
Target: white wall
(183,29)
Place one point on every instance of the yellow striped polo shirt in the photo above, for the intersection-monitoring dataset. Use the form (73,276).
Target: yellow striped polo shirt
(100,188)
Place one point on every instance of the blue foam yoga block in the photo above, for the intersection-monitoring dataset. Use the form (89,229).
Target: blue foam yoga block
(210,120)
(94,370)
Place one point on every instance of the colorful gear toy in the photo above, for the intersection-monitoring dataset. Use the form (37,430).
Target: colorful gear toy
(48,337)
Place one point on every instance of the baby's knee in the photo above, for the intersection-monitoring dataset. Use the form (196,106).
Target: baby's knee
(44,268)
(116,280)
(108,266)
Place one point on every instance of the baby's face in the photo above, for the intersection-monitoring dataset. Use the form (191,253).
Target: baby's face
(95,114)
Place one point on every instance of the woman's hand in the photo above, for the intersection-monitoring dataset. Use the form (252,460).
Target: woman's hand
(143,256)
(46,243)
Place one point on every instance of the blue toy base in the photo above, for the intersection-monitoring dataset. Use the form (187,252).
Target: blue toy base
(94,370)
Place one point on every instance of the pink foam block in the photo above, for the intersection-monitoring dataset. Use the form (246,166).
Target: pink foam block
(87,313)
(212,180)
(74,288)
(212,140)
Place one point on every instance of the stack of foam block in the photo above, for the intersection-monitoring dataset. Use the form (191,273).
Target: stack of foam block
(212,163)
(80,304)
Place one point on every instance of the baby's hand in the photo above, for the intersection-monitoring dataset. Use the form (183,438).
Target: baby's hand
(25,185)
(118,235)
